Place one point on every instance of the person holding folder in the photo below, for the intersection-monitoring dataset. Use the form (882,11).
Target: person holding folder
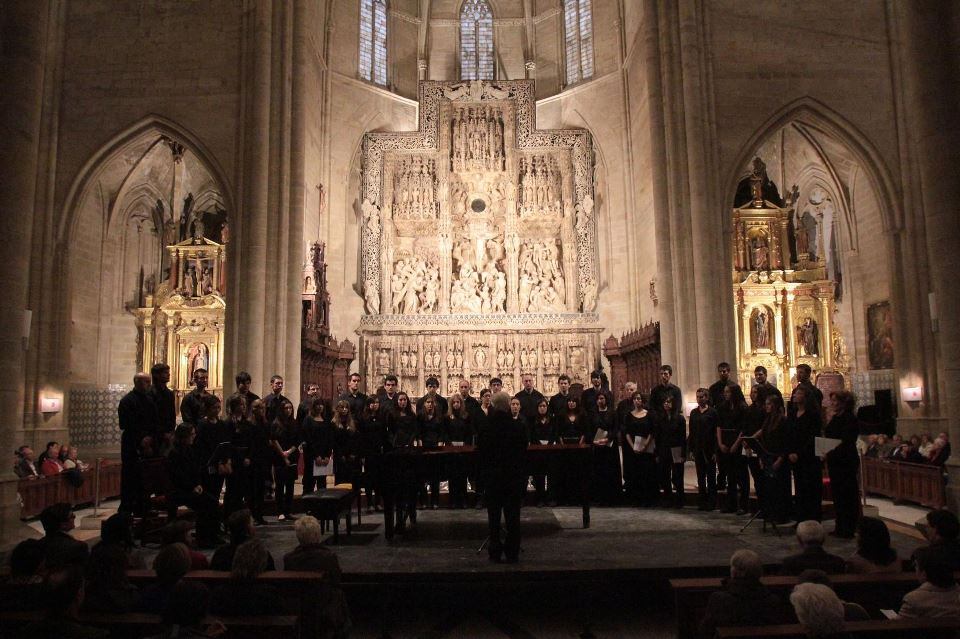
(730,434)
(805,426)
(671,434)
(639,455)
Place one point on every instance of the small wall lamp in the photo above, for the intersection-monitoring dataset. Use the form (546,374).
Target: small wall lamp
(911,394)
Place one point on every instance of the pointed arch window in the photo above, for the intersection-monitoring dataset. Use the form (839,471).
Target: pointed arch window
(476,40)
(373,41)
(578,39)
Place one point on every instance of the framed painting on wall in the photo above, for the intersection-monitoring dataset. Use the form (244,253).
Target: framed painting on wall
(880,335)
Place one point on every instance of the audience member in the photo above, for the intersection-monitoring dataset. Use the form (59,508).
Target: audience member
(941,528)
(50,460)
(69,459)
(851,611)
(938,596)
(117,531)
(186,611)
(874,553)
(244,594)
(810,536)
(62,597)
(26,559)
(940,452)
(240,527)
(311,555)
(818,609)
(744,601)
(181,532)
(170,564)
(59,548)
(25,468)
(107,588)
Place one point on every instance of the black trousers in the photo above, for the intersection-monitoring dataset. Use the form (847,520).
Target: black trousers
(774,493)
(207,508)
(503,506)
(808,480)
(738,481)
(236,491)
(706,477)
(285,476)
(456,471)
(371,478)
(671,477)
(846,500)
(256,487)
(132,498)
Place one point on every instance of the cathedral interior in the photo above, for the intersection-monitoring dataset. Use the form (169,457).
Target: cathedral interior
(466,189)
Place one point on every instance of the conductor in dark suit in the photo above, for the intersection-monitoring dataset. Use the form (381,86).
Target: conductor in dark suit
(502,448)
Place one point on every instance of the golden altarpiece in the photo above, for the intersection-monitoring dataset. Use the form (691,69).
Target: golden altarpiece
(478,244)
(784,307)
(182,323)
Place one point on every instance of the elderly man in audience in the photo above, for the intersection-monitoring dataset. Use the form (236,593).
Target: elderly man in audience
(744,601)
(851,611)
(810,536)
(311,555)
(25,468)
(938,596)
(818,609)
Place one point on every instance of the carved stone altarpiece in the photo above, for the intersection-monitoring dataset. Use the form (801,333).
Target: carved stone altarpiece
(478,243)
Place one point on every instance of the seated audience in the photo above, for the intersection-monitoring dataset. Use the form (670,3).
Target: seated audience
(872,446)
(117,531)
(938,596)
(874,553)
(107,588)
(24,467)
(893,445)
(940,452)
(884,446)
(181,532)
(186,611)
(851,611)
(240,526)
(70,461)
(941,529)
(26,559)
(818,609)
(744,601)
(811,536)
(926,445)
(170,564)
(59,548)
(311,555)
(62,596)
(50,460)
(244,595)
(907,452)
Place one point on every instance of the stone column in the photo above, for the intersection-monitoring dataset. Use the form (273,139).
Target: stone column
(22,65)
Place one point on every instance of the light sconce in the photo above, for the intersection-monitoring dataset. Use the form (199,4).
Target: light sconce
(51,404)
(911,394)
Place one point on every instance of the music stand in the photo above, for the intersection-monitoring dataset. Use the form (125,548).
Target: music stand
(757,446)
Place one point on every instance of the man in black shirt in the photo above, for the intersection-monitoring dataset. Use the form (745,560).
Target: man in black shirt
(589,397)
(166,405)
(304,408)
(763,387)
(439,403)
(139,424)
(388,397)
(625,405)
(716,389)
(354,397)
(558,403)
(529,398)
(191,408)
(814,394)
(663,390)
(704,422)
(273,403)
(243,390)
(469,402)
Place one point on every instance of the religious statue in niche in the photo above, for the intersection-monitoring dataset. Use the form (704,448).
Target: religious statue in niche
(542,288)
(760,328)
(806,232)
(808,337)
(477,139)
(540,187)
(198,356)
(415,286)
(759,251)
(880,335)
(415,190)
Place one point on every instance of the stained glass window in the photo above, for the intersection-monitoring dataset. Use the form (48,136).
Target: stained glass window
(373,41)
(578,39)
(476,40)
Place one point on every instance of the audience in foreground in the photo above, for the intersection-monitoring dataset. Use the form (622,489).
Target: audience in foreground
(311,555)
(810,536)
(818,610)
(938,596)
(851,611)
(62,597)
(744,601)
(874,552)
(244,595)
(241,528)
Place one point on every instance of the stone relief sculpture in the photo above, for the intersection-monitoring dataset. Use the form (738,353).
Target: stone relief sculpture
(415,285)
(415,189)
(477,139)
(542,287)
(541,187)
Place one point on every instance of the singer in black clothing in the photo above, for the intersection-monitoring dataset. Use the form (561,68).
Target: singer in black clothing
(287,438)
(186,475)
(430,429)
(843,464)
(671,433)
(704,421)
(439,402)
(243,381)
(589,396)
(639,455)
(211,432)
(805,427)
(607,482)
(543,431)
(665,389)
(403,472)
(274,401)
(457,431)
(236,468)
(529,397)
(716,388)
(353,396)
(306,402)
(814,394)
(139,425)
(373,441)
(348,466)
(501,448)
(479,418)
(558,403)
(318,445)
(774,487)
(165,401)
(191,407)
(730,434)
(572,426)
(261,460)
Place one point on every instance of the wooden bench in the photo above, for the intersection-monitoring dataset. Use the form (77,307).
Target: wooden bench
(302,593)
(135,624)
(894,628)
(873,592)
(903,481)
(37,494)
(329,505)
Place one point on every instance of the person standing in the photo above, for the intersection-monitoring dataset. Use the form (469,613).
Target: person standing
(704,421)
(639,460)
(191,407)
(665,389)
(430,433)
(237,468)
(671,434)
(347,465)
(501,448)
(843,464)
(529,397)
(287,439)
(604,435)
(306,402)
(805,427)
(186,475)
(166,405)
(814,394)
(774,485)
(353,397)
(261,459)
(558,403)
(439,402)
(465,387)
(716,399)
(543,432)
(139,424)
(243,381)
(373,441)
(211,431)
(318,445)
(763,387)
(457,431)
(733,428)
(273,402)
(589,396)
(625,405)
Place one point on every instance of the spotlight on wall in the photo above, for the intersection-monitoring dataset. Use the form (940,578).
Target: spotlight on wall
(51,404)
(911,394)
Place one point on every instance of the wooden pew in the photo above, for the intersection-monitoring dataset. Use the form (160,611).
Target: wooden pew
(37,494)
(136,624)
(302,593)
(873,592)
(893,628)
(903,481)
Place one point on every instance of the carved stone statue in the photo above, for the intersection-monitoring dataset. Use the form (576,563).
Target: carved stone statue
(807,234)
(371,298)
(590,296)
(761,329)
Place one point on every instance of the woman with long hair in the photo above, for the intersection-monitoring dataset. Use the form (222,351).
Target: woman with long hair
(457,431)
(607,481)
(317,447)
(639,454)
(236,468)
(373,442)
(401,473)
(671,435)
(481,418)
(430,429)
(733,428)
(804,428)
(874,552)
(572,426)
(543,432)
(346,445)
(843,464)
(775,467)
(186,476)
(288,438)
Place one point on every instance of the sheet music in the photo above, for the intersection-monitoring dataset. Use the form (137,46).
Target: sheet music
(823,445)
